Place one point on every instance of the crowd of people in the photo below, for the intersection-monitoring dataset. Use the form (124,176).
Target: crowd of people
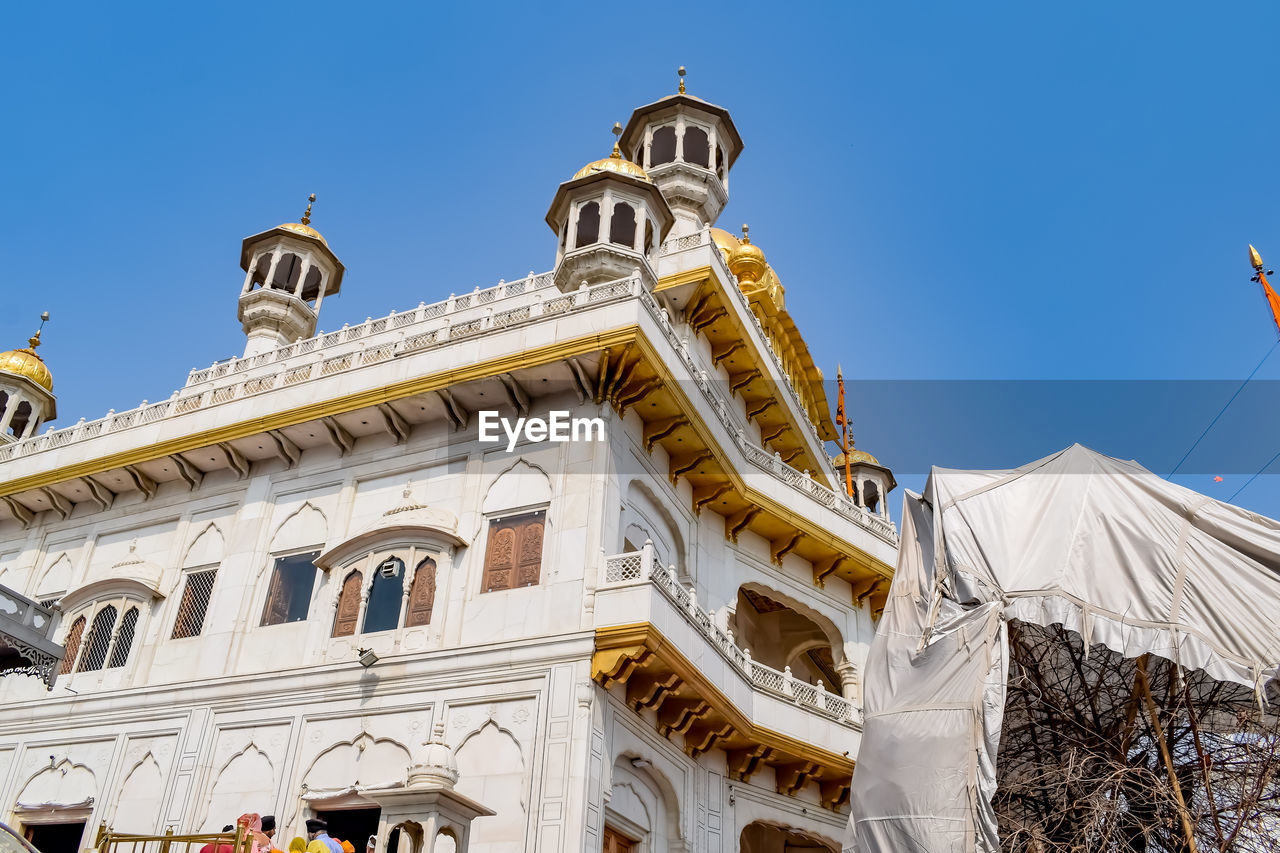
(262,831)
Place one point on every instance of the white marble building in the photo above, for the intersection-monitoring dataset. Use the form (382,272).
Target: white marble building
(274,586)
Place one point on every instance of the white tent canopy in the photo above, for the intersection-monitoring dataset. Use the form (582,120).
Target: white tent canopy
(1100,546)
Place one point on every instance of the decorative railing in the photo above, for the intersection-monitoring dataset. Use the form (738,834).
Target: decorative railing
(703,238)
(430,326)
(27,627)
(770,463)
(636,567)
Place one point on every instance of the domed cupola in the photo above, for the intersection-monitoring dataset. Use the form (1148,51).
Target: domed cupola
(289,270)
(26,390)
(610,219)
(687,146)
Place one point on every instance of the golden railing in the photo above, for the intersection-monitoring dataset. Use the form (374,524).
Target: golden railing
(108,841)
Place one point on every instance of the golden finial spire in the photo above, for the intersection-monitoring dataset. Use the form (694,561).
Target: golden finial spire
(306,217)
(680,71)
(617,136)
(745,229)
(34,340)
(1255,258)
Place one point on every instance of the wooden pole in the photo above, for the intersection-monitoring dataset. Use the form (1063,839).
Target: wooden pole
(1144,685)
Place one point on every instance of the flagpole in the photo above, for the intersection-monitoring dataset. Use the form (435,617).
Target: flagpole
(844,423)
(1260,275)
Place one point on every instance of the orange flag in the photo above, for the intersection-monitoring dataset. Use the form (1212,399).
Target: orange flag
(1273,298)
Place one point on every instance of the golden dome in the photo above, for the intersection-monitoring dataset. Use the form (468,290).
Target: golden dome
(856,457)
(25,362)
(747,261)
(615,163)
(724,241)
(304,230)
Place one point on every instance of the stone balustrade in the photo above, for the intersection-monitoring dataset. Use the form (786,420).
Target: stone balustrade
(639,567)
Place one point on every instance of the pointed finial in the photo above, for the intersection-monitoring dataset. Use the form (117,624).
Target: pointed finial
(34,340)
(839,372)
(745,229)
(306,217)
(617,136)
(680,71)
(1255,258)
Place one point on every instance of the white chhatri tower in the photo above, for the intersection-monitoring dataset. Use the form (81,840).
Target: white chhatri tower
(687,146)
(611,220)
(289,270)
(26,390)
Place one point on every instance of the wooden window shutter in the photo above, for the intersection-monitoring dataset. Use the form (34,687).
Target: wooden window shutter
(514,554)
(344,624)
(616,842)
(422,595)
(72,646)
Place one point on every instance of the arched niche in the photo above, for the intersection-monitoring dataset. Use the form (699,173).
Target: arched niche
(364,761)
(62,785)
(491,770)
(55,579)
(646,510)
(644,804)
(305,527)
(247,782)
(206,548)
(771,836)
(520,486)
(782,631)
(138,804)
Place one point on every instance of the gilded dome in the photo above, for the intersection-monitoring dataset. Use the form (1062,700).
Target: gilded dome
(856,457)
(747,260)
(724,241)
(304,230)
(616,164)
(25,362)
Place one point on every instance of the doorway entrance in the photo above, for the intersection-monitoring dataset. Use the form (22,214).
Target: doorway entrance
(354,825)
(55,837)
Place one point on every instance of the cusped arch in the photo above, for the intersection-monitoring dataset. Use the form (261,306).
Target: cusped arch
(363,761)
(63,784)
(206,548)
(643,766)
(305,527)
(519,486)
(55,579)
(248,776)
(491,769)
(139,800)
(649,506)
(824,623)
(758,837)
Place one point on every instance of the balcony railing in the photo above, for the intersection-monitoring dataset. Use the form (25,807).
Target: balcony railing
(27,628)
(639,567)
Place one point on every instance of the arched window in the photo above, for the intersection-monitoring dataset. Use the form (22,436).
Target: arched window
(98,641)
(124,638)
(697,147)
(422,595)
(344,623)
(311,287)
(260,271)
(287,272)
(18,422)
(588,225)
(72,646)
(382,613)
(648,234)
(638,159)
(663,148)
(622,227)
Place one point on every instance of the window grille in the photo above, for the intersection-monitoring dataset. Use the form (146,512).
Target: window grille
(50,602)
(72,646)
(195,604)
(99,641)
(124,638)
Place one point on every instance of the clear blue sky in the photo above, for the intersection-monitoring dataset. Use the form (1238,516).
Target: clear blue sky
(981,191)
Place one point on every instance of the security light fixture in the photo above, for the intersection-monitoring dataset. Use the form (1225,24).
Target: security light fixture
(367,657)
